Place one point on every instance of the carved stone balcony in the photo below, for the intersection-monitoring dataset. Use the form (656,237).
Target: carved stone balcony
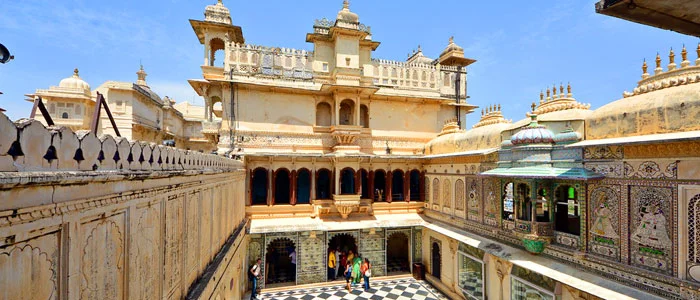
(346,138)
(211,127)
(346,204)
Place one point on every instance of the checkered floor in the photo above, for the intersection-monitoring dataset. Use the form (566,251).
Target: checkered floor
(401,289)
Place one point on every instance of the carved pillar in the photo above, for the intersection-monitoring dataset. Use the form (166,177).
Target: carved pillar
(389,182)
(358,182)
(293,187)
(421,188)
(407,186)
(271,197)
(334,184)
(249,201)
(314,178)
(370,185)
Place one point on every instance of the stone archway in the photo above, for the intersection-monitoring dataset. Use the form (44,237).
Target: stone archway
(435,260)
(398,252)
(278,263)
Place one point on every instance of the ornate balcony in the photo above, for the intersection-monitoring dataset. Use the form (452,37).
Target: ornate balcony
(346,137)
(346,204)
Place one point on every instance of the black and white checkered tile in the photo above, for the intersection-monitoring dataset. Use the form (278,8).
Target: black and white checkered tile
(400,289)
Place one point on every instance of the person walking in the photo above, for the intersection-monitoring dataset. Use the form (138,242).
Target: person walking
(293,265)
(270,265)
(253,275)
(348,275)
(332,264)
(337,263)
(356,275)
(366,272)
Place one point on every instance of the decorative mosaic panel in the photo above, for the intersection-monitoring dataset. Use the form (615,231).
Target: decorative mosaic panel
(651,169)
(427,189)
(459,194)
(492,205)
(417,244)
(603,152)
(565,239)
(693,238)
(446,195)
(436,191)
(311,257)
(473,200)
(372,246)
(604,237)
(650,237)
(609,169)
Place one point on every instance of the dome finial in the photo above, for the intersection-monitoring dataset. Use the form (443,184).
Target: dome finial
(568,89)
(533,106)
(452,39)
(541,97)
(346,4)
(671,60)
(684,55)
(697,52)
(75,72)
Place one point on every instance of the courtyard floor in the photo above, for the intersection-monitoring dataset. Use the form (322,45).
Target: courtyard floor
(403,288)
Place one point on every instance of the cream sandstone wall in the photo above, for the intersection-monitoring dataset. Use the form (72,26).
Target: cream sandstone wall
(109,228)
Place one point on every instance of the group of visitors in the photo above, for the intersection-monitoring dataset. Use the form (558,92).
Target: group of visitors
(353,267)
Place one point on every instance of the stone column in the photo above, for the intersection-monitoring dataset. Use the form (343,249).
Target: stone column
(335,185)
(271,188)
(249,201)
(358,182)
(421,188)
(407,186)
(312,194)
(370,185)
(389,182)
(293,187)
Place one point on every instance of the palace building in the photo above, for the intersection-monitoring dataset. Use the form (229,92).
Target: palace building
(330,148)
(342,149)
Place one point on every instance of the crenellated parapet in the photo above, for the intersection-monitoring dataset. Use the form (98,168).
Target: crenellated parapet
(491,115)
(673,76)
(27,145)
(559,101)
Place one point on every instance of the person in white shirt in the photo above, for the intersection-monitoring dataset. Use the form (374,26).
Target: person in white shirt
(254,275)
(293,265)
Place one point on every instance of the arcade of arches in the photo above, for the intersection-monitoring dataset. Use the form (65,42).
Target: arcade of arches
(302,186)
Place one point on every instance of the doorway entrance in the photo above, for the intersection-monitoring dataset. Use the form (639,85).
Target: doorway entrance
(397,253)
(278,262)
(435,260)
(345,243)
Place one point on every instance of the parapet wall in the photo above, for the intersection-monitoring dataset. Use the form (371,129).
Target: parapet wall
(102,218)
(27,145)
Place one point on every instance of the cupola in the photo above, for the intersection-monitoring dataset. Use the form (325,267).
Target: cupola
(533,133)
(75,82)
(346,15)
(217,13)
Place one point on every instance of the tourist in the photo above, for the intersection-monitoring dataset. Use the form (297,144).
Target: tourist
(253,275)
(293,265)
(348,275)
(366,272)
(343,262)
(332,264)
(356,275)
(350,256)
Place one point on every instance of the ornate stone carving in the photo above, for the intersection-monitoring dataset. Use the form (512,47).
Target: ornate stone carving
(40,282)
(102,261)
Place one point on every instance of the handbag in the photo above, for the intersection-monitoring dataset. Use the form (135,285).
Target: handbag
(368,273)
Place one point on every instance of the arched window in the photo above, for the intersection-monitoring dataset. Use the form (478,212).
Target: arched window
(347,112)
(323,184)
(436,191)
(64,115)
(542,206)
(525,202)
(282,186)
(397,185)
(446,80)
(303,186)
(258,185)
(446,193)
(414,185)
(323,114)
(508,202)
(379,185)
(567,218)
(364,116)
(364,176)
(216,48)
(347,181)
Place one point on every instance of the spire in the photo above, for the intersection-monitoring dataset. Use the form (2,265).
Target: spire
(554,91)
(141,74)
(645,74)
(671,60)
(697,51)
(684,56)
(561,90)
(541,97)
(482,112)
(568,90)
(658,69)
(75,73)
(346,4)
(548,95)
(533,107)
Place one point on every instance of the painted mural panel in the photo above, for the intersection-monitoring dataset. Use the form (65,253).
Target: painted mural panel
(650,214)
(492,206)
(473,200)
(693,238)
(605,216)
(459,195)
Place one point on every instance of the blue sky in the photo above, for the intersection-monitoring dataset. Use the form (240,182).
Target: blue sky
(521,47)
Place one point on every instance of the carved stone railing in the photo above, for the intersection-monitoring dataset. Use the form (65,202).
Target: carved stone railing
(284,63)
(27,145)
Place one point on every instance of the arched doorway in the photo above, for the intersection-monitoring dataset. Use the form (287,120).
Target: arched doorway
(365,183)
(414,185)
(323,184)
(435,260)
(303,186)
(344,243)
(397,253)
(258,192)
(524,211)
(379,185)
(278,263)
(282,186)
(347,181)
(397,185)
(567,217)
